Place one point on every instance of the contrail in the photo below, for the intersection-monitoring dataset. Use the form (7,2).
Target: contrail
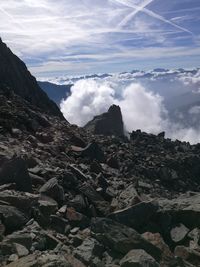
(148,12)
(134,13)
(11,17)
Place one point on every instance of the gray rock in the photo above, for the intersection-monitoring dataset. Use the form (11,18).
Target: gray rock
(21,250)
(13,257)
(179,233)
(87,251)
(138,258)
(128,197)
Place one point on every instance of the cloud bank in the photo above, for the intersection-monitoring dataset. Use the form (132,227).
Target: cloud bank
(141,108)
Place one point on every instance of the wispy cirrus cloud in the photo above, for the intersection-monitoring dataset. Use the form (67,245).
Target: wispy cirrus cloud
(88,34)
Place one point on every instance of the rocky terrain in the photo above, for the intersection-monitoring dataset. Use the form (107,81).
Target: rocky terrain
(71,197)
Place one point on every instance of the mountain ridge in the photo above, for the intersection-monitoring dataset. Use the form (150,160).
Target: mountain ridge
(14,74)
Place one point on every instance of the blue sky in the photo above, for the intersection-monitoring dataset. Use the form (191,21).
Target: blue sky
(95,36)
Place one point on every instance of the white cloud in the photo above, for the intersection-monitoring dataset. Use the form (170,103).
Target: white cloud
(88,98)
(194,110)
(190,78)
(141,108)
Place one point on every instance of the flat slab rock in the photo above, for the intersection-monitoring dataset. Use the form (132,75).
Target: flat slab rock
(121,238)
(137,215)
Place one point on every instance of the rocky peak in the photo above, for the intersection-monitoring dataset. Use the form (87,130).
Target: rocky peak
(109,123)
(15,75)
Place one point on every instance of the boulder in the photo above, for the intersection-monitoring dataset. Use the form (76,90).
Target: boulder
(21,200)
(121,238)
(21,250)
(12,218)
(21,238)
(184,209)
(53,190)
(179,233)
(167,258)
(138,258)
(128,197)
(137,215)
(15,171)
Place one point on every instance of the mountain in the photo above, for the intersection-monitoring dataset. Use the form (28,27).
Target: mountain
(14,74)
(55,92)
(71,197)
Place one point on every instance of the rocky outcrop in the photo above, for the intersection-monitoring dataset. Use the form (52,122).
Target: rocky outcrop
(14,74)
(109,123)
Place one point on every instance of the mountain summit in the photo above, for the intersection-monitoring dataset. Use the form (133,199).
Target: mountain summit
(109,123)
(15,75)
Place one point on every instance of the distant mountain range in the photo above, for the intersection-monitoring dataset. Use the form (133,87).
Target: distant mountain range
(54,91)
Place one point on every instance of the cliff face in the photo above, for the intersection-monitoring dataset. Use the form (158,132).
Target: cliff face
(15,75)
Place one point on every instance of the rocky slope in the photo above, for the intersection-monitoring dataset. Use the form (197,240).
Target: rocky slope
(72,198)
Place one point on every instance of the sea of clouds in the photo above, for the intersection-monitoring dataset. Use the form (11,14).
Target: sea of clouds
(145,99)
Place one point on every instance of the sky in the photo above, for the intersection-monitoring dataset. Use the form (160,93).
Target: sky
(66,37)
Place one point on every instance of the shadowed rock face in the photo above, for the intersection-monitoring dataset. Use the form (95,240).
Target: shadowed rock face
(109,123)
(15,75)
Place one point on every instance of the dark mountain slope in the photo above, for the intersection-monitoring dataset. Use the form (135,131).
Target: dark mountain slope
(14,74)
